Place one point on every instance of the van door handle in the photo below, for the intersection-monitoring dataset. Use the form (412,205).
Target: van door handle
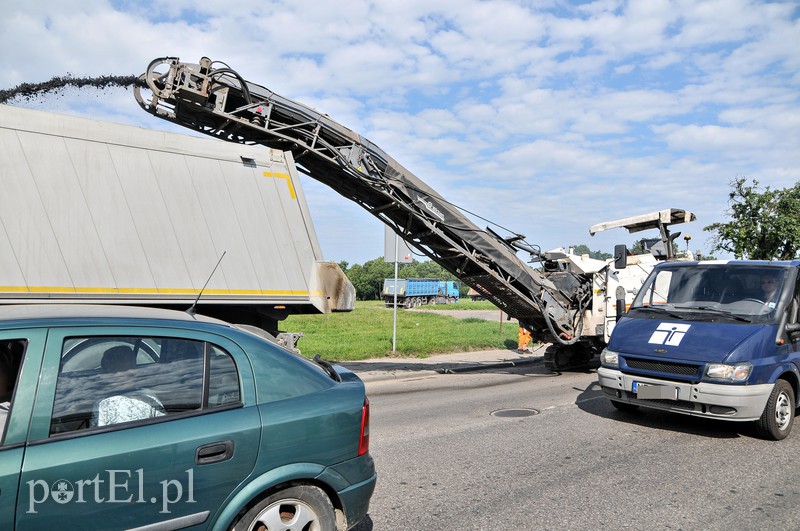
(214,452)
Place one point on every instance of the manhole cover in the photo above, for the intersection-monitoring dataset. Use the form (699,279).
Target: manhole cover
(514,412)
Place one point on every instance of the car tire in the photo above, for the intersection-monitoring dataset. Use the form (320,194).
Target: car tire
(776,420)
(299,507)
(624,406)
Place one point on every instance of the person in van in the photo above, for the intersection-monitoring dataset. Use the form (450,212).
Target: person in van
(769,289)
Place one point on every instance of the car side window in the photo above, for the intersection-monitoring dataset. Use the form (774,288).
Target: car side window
(794,307)
(12,352)
(105,381)
(223,379)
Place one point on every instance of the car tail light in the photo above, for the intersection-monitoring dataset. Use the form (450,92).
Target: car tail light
(363,440)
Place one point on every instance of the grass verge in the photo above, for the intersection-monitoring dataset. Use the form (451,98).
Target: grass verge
(366,332)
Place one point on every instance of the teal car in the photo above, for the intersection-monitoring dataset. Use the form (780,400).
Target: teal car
(138,418)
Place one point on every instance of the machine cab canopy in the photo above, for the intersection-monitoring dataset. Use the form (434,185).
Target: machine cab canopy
(653,220)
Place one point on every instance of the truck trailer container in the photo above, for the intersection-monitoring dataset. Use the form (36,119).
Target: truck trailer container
(94,212)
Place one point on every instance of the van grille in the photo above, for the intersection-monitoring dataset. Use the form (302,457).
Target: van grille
(666,367)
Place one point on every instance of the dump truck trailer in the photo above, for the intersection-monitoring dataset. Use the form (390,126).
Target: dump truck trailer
(413,292)
(94,212)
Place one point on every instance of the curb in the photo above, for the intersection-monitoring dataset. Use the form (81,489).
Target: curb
(485,366)
(400,373)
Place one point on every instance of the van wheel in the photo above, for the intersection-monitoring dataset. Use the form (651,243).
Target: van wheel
(776,420)
(625,406)
(301,507)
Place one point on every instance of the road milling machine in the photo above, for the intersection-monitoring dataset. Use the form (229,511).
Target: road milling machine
(567,300)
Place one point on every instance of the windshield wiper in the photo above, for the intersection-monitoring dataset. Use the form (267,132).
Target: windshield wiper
(658,309)
(726,313)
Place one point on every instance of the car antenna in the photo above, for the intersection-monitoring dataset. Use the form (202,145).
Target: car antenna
(193,308)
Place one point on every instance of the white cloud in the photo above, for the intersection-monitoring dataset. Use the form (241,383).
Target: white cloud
(547,116)
(713,138)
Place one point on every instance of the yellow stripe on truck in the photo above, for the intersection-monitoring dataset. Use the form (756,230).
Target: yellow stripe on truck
(284,176)
(155,291)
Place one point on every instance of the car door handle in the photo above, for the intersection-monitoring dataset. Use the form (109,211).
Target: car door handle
(214,452)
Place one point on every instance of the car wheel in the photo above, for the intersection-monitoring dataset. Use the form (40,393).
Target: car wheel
(303,507)
(776,420)
(624,406)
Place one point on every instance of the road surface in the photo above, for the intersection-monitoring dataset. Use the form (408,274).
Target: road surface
(445,461)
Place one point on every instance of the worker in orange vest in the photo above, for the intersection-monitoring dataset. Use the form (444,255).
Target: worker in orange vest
(524,340)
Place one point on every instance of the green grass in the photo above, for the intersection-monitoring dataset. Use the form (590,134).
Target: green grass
(366,332)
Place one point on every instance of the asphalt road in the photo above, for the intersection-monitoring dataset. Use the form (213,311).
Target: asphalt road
(446,462)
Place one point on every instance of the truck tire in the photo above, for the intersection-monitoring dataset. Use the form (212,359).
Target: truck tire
(568,357)
(299,507)
(776,420)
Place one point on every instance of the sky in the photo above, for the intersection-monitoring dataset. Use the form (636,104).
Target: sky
(543,116)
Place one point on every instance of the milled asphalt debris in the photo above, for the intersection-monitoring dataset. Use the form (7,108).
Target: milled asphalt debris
(33,91)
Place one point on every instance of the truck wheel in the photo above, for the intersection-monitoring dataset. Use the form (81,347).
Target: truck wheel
(300,507)
(776,420)
(624,406)
(568,357)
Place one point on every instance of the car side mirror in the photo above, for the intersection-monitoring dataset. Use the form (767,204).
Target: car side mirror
(620,256)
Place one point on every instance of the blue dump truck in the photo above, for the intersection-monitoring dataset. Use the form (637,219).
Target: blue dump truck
(413,292)
(714,339)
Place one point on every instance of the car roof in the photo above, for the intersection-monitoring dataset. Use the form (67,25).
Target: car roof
(93,313)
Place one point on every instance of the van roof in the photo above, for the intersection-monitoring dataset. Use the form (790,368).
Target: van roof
(743,263)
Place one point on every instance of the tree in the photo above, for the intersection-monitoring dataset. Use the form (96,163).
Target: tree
(584,249)
(764,224)
(368,278)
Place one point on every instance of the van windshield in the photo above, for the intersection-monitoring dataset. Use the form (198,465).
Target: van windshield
(741,292)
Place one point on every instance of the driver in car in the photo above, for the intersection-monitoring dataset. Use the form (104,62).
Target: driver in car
(769,289)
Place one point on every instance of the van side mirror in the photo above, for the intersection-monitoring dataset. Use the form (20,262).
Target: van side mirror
(620,256)
(620,295)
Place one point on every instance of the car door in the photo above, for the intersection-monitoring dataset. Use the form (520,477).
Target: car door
(25,364)
(160,442)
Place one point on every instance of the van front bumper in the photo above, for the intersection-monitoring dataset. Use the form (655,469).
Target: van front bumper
(719,401)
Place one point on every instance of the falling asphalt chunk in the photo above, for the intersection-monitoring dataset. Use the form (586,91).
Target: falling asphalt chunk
(30,91)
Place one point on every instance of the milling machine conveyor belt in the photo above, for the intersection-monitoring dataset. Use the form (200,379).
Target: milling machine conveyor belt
(217,101)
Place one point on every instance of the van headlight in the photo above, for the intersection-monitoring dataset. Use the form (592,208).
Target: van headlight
(609,358)
(729,373)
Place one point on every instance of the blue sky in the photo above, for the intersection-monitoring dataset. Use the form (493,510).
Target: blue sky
(545,117)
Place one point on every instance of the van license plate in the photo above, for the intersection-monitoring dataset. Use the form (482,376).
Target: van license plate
(649,391)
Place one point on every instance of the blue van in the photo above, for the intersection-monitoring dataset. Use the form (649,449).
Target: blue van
(716,339)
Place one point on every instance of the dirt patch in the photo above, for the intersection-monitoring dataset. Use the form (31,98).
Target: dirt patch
(487,315)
